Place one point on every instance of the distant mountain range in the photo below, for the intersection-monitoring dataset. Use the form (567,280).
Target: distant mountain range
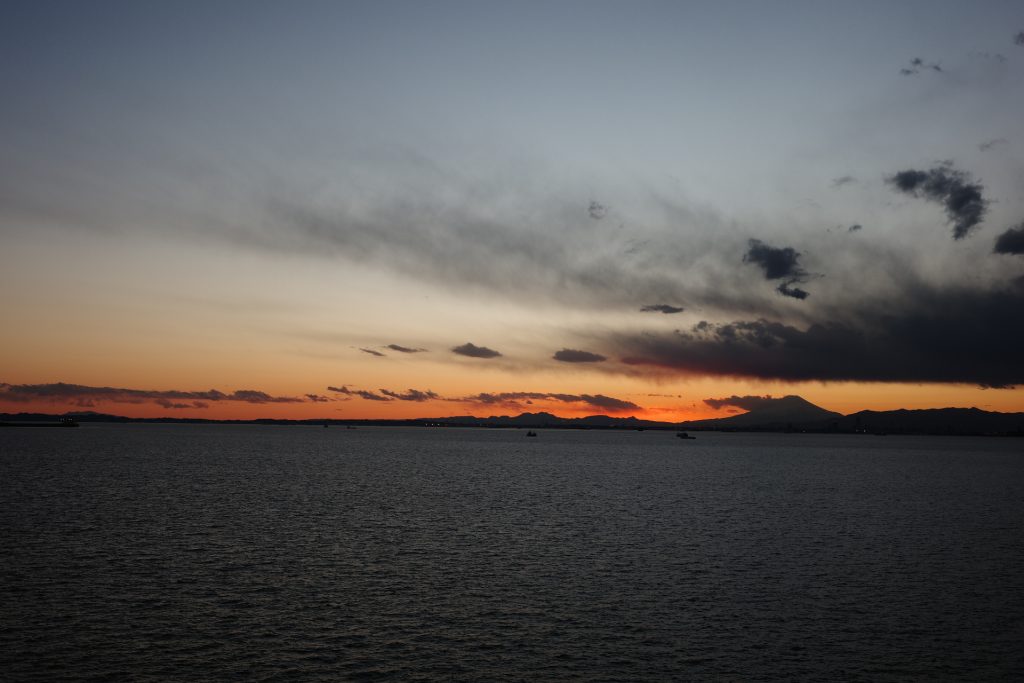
(788,413)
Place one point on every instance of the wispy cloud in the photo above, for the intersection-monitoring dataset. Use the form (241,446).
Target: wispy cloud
(361,393)
(597,210)
(517,399)
(414,395)
(467,247)
(995,142)
(404,349)
(372,352)
(173,398)
(162,402)
(511,399)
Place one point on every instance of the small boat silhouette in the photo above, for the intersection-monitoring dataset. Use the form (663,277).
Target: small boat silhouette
(531,433)
(684,435)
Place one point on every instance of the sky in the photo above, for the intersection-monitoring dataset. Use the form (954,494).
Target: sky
(405,209)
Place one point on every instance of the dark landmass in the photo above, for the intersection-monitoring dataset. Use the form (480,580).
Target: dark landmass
(775,415)
(785,414)
(932,421)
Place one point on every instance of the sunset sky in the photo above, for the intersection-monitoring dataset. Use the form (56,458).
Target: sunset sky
(417,209)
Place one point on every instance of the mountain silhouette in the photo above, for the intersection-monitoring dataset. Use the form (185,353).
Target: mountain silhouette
(773,413)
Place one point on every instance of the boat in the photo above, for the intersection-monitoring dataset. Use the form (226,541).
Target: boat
(684,435)
(531,433)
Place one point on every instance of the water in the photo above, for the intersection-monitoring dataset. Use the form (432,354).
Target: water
(295,553)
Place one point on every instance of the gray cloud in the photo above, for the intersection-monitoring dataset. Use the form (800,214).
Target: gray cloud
(667,309)
(1019,39)
(954,189)
(414,395)
(917,64)
(787,289)
(162,402)
(742,402)
(843,180)
(950,336)
(372,352)
(511,399)
(597,210)
(404,349)
(778,263)
(466,247)
(474,351)
(361,393)
(61,391)
(577,356)
(856,227)
(517,398)
(1011,241)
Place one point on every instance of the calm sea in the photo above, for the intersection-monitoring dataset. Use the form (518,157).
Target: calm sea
(160,553)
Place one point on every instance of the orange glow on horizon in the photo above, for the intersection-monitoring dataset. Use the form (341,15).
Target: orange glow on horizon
(689,405)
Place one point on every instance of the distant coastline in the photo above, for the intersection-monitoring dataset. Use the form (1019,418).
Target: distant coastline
(940,421)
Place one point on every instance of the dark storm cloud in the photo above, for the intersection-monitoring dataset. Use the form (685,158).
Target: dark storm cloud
(577,356)
(404,349)
(742,402)
(1011,241)
(474,351)
(61,391)
(856,227)
(954,189)
(517,398)
(414,395)
(597,210)
(778,263)
(989,144)
(954,335)
(843,180)
(372,352)
(667,309)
